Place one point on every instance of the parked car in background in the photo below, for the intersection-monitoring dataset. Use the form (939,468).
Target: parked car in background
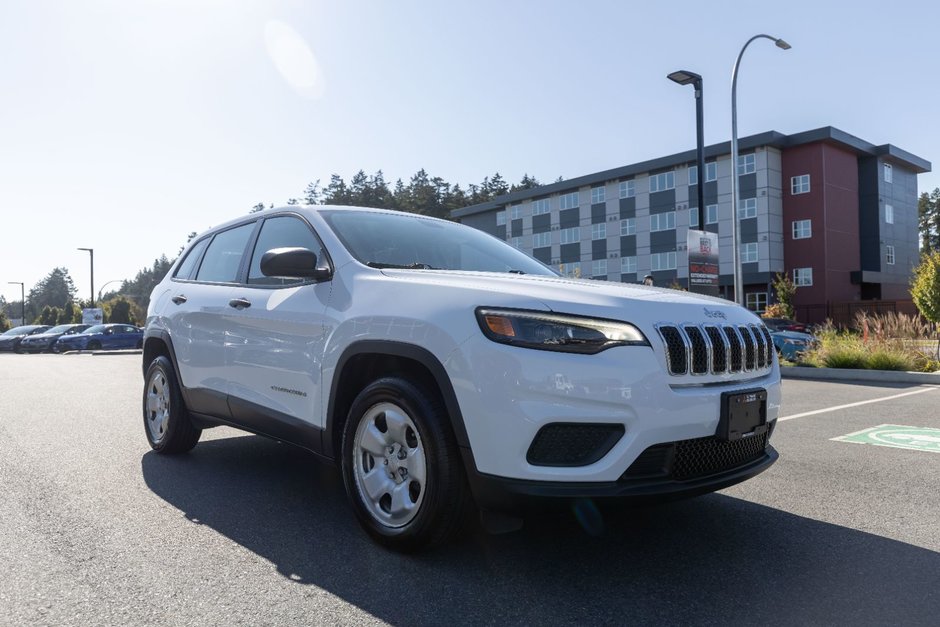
(11,340)
(791,343)
(102,337)
(784,324)
(47,340)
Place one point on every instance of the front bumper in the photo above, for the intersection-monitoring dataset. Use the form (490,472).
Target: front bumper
(516,496)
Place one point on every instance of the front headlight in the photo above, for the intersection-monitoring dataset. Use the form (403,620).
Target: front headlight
(556,332)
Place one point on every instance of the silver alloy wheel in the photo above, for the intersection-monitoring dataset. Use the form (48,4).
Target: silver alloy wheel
(158,405)
(389,465)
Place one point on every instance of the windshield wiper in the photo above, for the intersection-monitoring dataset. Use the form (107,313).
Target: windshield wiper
(516,271)
(415,266)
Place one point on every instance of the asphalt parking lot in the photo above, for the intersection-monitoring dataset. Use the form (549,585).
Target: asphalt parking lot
(95,529)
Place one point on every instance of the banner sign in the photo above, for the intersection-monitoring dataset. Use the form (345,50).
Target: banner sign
(703,262)
(92,316)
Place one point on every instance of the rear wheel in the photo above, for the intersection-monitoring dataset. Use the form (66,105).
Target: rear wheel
(401,466)
(166,421)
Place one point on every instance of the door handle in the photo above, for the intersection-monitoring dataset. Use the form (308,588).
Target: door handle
(179,299)
(239,303)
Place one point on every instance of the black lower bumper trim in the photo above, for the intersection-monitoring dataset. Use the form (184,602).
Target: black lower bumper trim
(515,495)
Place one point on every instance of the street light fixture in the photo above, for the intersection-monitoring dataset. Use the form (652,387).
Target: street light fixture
(106,285)
(91,254)
(736,256)
(684,77)
(22,298)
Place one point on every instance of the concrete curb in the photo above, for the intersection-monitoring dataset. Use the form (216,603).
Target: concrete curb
(850,375)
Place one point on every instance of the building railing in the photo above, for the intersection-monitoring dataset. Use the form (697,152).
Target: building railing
(843,314)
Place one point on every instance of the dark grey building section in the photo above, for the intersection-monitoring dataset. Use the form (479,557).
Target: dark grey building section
(599,249)
(599,213)
(570,252)
(486,222)
(569,218)
(747,183)
(628,245)
(543,254)
(661,202)
(869,202)
(629,278)
(748,230)
(664,278)
(542,223)
(663,241)
(627,208)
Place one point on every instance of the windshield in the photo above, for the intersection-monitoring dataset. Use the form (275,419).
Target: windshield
(62,328)
(20,330)
(98,328)
(400,240)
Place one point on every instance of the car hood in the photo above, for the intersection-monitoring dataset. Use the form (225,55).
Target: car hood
(602,299)
(793,335)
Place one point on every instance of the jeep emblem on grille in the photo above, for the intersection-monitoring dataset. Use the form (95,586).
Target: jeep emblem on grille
(714,314)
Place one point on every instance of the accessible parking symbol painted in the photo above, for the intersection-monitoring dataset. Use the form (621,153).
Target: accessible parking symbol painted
(897,436)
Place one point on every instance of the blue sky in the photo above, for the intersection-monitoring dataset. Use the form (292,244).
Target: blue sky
(126,125)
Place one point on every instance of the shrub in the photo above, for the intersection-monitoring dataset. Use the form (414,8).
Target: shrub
(777,310)
(844,356)
(888,359)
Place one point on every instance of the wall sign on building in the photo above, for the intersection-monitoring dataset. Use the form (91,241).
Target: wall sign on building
(703,262)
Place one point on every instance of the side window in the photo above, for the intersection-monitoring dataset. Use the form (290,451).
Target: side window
(186,268)
(282,232)
(224,255)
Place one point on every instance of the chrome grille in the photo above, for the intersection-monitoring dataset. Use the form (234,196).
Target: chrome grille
(709,349)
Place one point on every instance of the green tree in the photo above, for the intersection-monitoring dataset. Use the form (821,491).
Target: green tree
(49,315)
(55,290)
(925,290)
(928,221)
(121,310)
(139,288)
(4,323)
(785,289)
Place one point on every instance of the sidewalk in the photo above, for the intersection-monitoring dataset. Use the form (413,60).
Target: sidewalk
(851,375)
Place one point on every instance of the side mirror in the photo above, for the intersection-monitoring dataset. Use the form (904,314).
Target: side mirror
(292,263)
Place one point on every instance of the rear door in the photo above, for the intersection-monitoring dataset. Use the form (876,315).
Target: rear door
(198,304)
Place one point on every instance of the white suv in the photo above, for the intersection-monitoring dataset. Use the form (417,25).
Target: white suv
(440,367)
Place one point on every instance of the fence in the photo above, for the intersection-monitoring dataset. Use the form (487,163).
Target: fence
(843,314)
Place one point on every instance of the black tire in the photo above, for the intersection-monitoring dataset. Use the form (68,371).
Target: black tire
(445,497)
(178,434)
(140,344)
(94,345)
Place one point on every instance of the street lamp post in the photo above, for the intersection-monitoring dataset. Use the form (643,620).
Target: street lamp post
(22,299)
(91,254)
(684,77)
(736,258)
(106,285)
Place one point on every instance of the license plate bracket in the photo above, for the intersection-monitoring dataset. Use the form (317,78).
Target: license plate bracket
(743,414)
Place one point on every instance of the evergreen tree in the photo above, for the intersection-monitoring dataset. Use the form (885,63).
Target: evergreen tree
(928,221)
(54,290)
(257,208)
(313,193)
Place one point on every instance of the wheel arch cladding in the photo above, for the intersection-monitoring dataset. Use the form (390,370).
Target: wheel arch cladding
(365,361)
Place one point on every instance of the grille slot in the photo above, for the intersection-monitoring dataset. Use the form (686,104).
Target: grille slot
(696,458)
(736,349)
(700,357)
(761,346)
(719,349)
(750,345)
(675,349)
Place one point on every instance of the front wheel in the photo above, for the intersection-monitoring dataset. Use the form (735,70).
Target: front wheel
(166,421)
(401,466)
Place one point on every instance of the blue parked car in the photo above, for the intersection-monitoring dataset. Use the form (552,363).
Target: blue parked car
(102,337)
(46,341)
(791,343)
(10,341)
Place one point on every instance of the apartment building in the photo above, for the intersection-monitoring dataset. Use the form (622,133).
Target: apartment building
(836,213)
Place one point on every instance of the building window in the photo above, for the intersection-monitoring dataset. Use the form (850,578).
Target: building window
(802,277)
(747,164)
(749,252)
(663,261)
(570,236)
(598,195)
(799,184)
(889,214)
(663,221)
(889,255)
(756,301)
(515,212)
(802,229)
(693,217)
(570,201)
(711,214)
(747,208)
(711,171)
(889,173)
(541,240)
(517,242)
(628,226)
(500,218)
(662,182)
(540,206)
(599,231)
(627,189)
(572,269)
(599,268)
(693,175)
(628,265)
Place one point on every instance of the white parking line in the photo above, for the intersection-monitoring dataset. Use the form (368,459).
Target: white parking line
(874,400)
